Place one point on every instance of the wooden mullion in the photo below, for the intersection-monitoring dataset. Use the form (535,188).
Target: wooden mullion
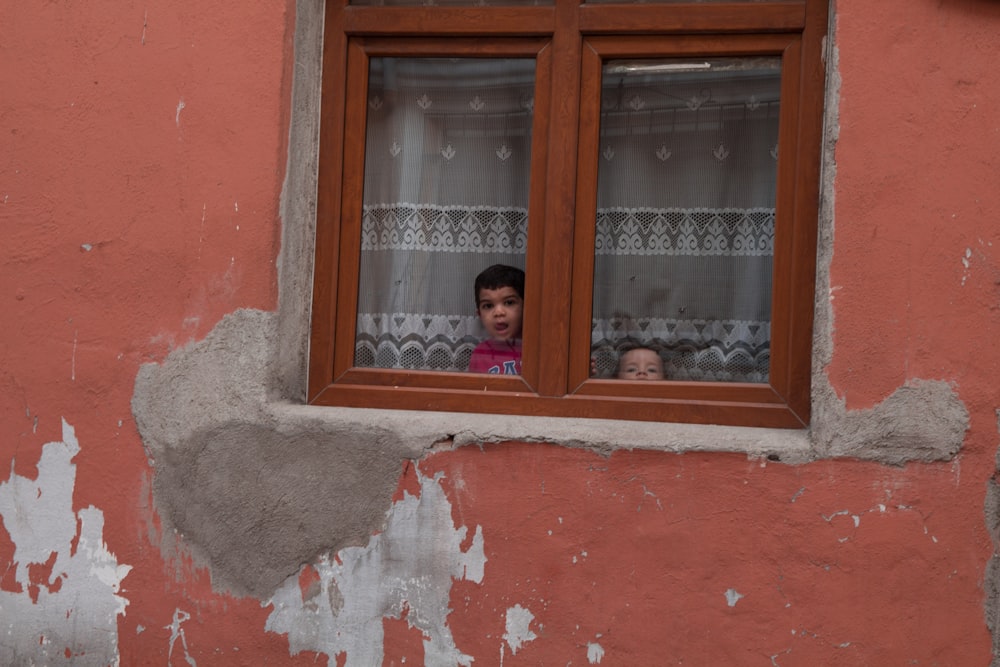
(449,21)
(582,294)
(695,46)
(692,391)
(531,358)
(556,277)
(402,378)
(423,47)
(723,412)
(807,185)
(784,278)
(352,190)
(664,18)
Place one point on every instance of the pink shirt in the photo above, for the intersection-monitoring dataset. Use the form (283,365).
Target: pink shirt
(499,357)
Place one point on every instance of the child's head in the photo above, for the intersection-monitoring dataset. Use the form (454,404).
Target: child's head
(640,363)
(500,301)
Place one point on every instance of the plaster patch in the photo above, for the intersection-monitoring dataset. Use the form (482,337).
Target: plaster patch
(924,420)
(518,631)
(246,492)
(73,616)
(991,579)
(254,502)
(595,653)
(732,597)
(407,569)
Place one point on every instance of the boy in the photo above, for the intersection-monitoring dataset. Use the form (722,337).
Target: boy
(500,306)
(640,363)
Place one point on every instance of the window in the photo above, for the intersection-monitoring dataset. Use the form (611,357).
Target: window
(652,167)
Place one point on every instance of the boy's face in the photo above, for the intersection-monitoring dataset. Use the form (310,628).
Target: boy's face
(640,364)
(500,311)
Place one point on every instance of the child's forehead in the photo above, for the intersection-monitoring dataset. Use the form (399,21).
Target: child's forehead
(640,353)
(498,292)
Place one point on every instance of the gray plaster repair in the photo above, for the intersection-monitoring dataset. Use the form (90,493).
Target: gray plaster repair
(991,579)
(256,484)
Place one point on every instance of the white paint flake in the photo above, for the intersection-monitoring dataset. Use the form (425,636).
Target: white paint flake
(74,611)
(595,653)
(177,632)
(406,569)
(732,597)
(966,263)
(518,630)
(177,115)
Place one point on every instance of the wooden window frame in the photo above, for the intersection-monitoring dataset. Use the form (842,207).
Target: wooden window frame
(572,39)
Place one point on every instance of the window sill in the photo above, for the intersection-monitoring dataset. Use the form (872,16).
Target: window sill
(455,429)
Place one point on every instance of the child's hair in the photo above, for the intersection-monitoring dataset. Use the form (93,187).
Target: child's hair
(497,276)
(629,344)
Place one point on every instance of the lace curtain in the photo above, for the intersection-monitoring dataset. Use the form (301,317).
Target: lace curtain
(685,223)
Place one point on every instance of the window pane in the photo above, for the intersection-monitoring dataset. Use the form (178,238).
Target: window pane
(685,215)
(447,157)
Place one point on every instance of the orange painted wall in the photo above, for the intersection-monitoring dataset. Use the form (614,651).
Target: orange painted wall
(141,164)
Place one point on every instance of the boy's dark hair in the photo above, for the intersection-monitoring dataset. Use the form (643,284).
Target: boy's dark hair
(497,276)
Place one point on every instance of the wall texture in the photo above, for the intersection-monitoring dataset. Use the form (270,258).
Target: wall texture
(168,501)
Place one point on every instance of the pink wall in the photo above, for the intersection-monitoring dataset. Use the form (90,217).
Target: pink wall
(141,171)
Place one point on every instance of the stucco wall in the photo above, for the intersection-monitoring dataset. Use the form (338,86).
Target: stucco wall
(169,501)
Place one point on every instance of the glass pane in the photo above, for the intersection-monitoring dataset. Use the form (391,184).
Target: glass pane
(685,217)
(447,157)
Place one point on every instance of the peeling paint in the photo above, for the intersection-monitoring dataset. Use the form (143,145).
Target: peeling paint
(406,570)
(595,653)
(518,630)
(732,597)
(70,615)
(72,372)
(177,632)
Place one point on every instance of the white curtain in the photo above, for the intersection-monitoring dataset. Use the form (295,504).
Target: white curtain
(685,222)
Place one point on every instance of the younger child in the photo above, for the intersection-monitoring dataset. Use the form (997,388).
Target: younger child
(500,306)
(640,363)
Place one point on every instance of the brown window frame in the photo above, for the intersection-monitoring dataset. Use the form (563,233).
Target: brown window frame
(572,39)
